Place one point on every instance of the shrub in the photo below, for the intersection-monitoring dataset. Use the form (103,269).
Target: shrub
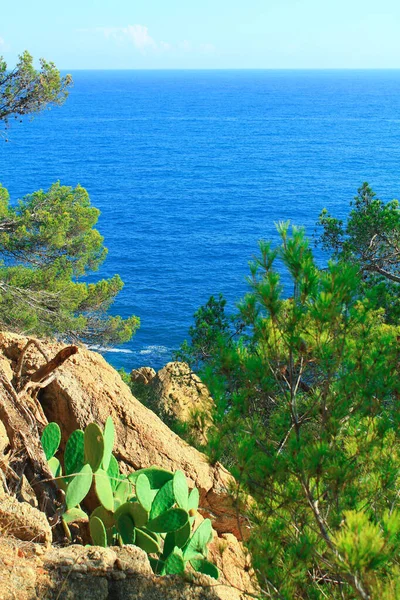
(151,508)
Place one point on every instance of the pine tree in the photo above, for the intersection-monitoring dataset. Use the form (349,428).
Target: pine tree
(48,243)
(307,417)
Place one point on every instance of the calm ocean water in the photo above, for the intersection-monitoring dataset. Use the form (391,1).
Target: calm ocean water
(191,168)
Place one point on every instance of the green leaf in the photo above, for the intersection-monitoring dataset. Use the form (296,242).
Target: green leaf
(94,446)
(55,467)
(169,544)
(206,567)
(79,487)
(199,540)
(106,516)
(171,520)
(157,565)
(182,535)
(140,515)
(98,532)
(113,472)
(103,489)
(123,491)
(156,476)
(51,438)
(75,514)
(163,501)
(127,508)
(180,490)
(126,528)
(193,501)
(109,437)
(175,564)
(143,492)
(145,541)
(74,455)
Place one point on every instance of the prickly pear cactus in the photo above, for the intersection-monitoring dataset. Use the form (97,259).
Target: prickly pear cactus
(151,508)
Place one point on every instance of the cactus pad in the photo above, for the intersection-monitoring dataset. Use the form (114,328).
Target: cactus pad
(204,566)
(197,545)
(182,535)
(113,472)
(143,492)
(193,501)
(94,446)
(157,565)
(55,467)
(75,514)
(157,477)
(175,563)
(163,501)
(109,436)
(126,528)
(146,542)
(79,487)
(74,454)
(98,532)
(180,490)
(123,491)
(104,515)
(103,489)
(51,438)
(140,515)
(171,520)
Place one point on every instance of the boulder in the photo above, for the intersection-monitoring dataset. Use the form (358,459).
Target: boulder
(94,573)
(233,562)
(180,395)
(23,521)
(142,375)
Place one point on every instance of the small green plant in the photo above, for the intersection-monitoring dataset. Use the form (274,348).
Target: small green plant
(151,508)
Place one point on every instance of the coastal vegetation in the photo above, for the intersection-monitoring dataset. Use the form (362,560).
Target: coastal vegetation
(47,244)
(306,415)
(305,383)
(25,90)
(48,241)
(151,508)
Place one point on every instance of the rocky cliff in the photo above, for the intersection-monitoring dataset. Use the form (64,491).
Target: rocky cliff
(84,389)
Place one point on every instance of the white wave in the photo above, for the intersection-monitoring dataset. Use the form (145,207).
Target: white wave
(154,350)
(114,350)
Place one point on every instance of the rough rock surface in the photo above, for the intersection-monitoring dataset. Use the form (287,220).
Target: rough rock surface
(88,389)
(142,375)
(4,441)
(181,395)
(28,572)
(233,561)
(23,521)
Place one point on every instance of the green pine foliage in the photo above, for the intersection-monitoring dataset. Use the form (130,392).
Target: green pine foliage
(307,418)
(48,243)
(370,239)
(26,90)
(212,327)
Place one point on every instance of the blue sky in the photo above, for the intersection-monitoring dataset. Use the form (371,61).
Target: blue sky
(140,34)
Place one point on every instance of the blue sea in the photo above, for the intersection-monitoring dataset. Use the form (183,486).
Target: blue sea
(191,168)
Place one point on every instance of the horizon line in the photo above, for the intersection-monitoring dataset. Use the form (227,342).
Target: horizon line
(230,68)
